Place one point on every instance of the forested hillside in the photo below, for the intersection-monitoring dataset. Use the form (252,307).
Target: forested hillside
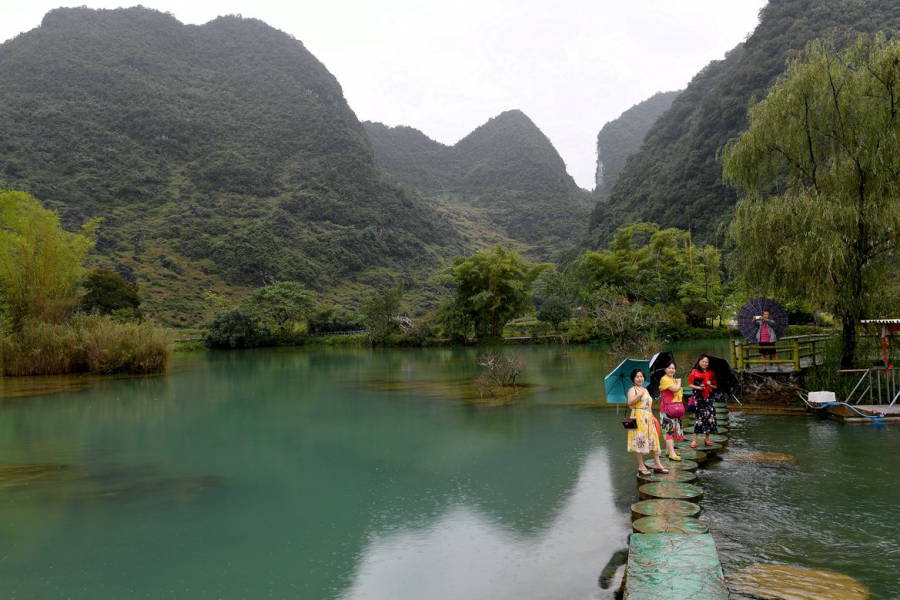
(505,176)
(622,137)
(221,156)
(676,173)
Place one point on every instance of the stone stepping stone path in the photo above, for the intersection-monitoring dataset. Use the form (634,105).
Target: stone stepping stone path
(664,508)
(680,447)
(678,465)
(688,454)
(674,565)
(688,525)
(672,475)
(670,490)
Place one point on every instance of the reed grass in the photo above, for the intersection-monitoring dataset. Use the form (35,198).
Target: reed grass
(86,344)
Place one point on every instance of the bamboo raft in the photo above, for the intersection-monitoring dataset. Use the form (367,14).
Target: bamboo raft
(671,552)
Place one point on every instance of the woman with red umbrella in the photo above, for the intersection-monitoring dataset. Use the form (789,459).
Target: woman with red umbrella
(703,381)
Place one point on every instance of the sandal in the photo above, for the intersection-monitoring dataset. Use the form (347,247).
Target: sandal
(693,445)
(674,457)
(643,472)
(662,470)
(707,442)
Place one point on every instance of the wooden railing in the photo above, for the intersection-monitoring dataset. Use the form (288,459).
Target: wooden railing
(790,350)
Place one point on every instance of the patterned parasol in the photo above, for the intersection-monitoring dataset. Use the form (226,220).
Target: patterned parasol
(755,308)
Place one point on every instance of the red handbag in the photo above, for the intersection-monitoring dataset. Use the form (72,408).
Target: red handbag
(675,410)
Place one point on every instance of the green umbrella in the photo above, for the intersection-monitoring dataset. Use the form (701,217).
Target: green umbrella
(618,382)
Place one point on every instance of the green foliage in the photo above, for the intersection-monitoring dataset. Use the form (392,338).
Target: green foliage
(279,307)
(224,154)
(330,319)
(107,293)
(236,329)
(493,287)
(554,310)
(380,313)
(86,344)
(676,176)
(41,265)
(658,267)
(506,169)
(820,165)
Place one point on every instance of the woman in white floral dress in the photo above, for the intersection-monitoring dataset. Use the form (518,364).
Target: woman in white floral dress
(644,438)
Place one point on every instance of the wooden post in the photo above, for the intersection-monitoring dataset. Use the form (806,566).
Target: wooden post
(796,355)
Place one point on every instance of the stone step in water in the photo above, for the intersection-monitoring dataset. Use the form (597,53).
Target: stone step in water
(672,475)
(688,525)
(685,446)
(673,565)
(667,490)
(680,465)
(694,455)
(664,508)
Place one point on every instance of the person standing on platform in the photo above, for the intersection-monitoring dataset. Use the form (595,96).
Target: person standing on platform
(766,336)
(643,439)
(671,409)
(703,382)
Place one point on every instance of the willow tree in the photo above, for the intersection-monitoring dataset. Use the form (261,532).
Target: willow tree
(41,264)
(820,166)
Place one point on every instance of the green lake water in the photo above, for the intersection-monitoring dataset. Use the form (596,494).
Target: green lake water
(355,474)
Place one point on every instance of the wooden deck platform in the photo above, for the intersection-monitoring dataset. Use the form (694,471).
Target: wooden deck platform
(846,415)
(674,565)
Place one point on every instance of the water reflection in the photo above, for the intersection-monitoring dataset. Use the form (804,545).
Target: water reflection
(466,553)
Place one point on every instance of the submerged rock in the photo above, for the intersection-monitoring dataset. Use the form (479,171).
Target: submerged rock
(764,458)
(783,582)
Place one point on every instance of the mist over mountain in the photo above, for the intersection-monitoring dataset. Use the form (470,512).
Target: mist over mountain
(505,175)
(221,156)
(623,136)
(676,175)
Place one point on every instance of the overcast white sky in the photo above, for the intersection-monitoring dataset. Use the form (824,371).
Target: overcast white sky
(445,68)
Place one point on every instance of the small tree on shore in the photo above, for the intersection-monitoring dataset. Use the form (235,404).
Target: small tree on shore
(493,287)
(41,265)
(555,310)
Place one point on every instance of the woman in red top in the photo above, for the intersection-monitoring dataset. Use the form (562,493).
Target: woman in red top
(703,382)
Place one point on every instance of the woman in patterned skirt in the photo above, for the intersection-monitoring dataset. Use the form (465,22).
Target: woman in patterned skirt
(644,438)
(703,382)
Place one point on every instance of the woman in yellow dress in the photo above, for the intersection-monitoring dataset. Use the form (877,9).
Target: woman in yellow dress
(644,438)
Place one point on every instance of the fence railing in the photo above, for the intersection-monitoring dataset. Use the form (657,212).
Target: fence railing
(790,350)
(878,385)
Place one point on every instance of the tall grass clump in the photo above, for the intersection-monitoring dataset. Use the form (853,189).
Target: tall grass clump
(86,344)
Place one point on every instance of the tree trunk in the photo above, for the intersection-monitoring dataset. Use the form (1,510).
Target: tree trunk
(848,339)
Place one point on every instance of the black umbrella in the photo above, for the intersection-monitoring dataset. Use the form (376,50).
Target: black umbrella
(726,382)
(755,308)
(657,369)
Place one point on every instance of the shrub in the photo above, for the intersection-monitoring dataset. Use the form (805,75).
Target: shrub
(86,344)
(235,329)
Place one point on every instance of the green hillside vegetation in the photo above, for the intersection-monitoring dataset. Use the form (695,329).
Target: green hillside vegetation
(622,137)
(221,157)
(506,169)
(677,174)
